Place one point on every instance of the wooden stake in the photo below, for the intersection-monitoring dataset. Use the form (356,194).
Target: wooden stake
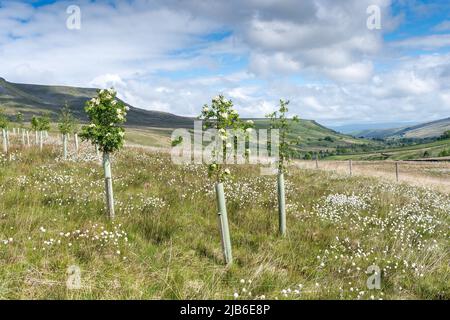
(223,224)
(350,163)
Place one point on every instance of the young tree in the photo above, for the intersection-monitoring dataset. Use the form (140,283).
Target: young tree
(43,126)
(4,124)
(107,116)
(279,121)
(66,125)
(35,128)
(223,118)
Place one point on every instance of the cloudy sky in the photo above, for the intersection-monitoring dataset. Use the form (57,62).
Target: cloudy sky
(174,55)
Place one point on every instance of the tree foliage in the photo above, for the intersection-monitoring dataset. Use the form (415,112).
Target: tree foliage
(4,121)
(280,121)
(19,119)
(107,116)
(221,116)
(66,120)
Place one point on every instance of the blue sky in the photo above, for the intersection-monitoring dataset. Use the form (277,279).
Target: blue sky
(175,56)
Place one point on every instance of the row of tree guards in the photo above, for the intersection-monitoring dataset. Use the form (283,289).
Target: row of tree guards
(40,126)
(105,131)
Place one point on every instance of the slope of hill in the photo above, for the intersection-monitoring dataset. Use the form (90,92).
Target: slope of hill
(152,128)
(31,99)
(352,128)
(420,131)
(413,152)
(312,136)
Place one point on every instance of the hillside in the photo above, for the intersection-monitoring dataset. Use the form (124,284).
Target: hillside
(312,136)
(151,128)
(413,152)
(420,131)
(31,99)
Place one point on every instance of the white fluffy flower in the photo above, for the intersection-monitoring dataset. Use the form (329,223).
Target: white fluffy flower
(227,171)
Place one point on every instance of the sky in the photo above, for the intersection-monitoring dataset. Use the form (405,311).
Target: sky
(175,55)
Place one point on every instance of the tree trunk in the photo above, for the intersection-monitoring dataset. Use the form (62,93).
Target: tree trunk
(108,185)
(65,146)
(36,140)
(281,204)
(23,137)
(28,138)
(5,143)
(223,224)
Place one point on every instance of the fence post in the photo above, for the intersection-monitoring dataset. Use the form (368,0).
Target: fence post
(317,163)
(223,224)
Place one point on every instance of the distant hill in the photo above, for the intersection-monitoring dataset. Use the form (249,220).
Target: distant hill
(31,99)
(354,128)
(420,131)
(313,136)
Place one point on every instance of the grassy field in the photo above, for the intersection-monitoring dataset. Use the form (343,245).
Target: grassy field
(402,153)
(165,244)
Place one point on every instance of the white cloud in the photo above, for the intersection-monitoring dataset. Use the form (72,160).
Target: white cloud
(429,42)
(163,55)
